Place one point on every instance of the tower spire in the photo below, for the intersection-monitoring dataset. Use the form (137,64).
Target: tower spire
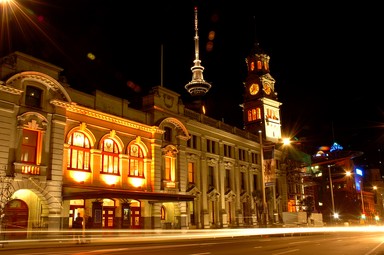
(198,86)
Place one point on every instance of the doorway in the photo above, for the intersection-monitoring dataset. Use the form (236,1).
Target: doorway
(135,217)
(16,219)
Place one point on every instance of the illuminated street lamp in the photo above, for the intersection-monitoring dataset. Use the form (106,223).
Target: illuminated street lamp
(264,218)
(335,215)
(362,199)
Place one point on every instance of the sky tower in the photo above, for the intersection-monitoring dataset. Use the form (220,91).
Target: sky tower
(198,87)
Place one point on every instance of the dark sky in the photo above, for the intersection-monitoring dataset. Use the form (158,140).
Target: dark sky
(326,58)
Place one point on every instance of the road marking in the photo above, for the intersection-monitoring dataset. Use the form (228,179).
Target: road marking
(285,252)
(370,252)
(300,242)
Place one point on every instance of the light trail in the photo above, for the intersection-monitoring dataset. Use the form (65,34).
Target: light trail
(153,235)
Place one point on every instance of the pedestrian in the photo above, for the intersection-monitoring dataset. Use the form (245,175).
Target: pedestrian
(78,226)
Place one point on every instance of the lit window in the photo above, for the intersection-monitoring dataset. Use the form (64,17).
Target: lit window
(29,146)
(136,161)
(168,168)
(162,213)
(252,66)
(191,172)
(266,65)
(79,152)
(258,65)
(258,113)
(169,164)
(110,152)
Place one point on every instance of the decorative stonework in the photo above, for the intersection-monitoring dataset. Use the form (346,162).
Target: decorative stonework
(103,116)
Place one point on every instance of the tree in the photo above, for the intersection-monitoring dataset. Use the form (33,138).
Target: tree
(5,196)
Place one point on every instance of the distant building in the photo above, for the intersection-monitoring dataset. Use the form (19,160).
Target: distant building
(344,192)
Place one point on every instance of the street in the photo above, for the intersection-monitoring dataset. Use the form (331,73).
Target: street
(330,242)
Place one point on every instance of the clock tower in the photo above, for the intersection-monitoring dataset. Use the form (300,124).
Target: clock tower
(261,110)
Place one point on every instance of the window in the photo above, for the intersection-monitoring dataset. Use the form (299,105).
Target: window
(227,151)
(136,161)
(169,169)
(162,213)
(211,146)
(210,177)
(266,65)
(254,158)
(110,154)
(33,96)
(254,182)
(168,134)
(254,114)
(227,181)
(242,154)
(242,180)
(258,65)
(29,146)
(169,166)
(79,152)
(192,143)
(191,172)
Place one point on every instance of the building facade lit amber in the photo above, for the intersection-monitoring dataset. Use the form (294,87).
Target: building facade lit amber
(66,152)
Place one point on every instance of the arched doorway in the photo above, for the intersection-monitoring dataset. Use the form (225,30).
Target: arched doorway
(15,221)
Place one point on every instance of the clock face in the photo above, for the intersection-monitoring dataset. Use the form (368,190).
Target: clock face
(253,89)
(267,89)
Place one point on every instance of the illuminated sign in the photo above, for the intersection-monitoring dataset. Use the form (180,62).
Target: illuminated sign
(359,172)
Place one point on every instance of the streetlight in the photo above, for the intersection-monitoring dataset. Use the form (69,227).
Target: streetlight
(264,218)
(362,200)
(331,186)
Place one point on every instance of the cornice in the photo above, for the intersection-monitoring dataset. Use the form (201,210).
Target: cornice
(71,107)
(10,90)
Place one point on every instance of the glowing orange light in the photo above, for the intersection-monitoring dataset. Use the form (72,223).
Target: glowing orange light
(79,176)
(136,182)
(110,179)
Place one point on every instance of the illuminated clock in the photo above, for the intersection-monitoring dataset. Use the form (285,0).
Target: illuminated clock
(254,88)
(267,89)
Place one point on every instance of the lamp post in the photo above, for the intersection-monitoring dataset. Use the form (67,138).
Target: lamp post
(362,199)
(331,188)
(264,217)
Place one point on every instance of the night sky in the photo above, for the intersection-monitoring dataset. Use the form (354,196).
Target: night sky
(326,58)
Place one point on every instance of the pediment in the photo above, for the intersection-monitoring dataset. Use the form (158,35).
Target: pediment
(213,194)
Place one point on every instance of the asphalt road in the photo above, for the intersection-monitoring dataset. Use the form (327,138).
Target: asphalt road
(319,243)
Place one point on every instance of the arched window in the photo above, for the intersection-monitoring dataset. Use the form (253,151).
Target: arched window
(79,152)
(136,161)
(259,65)
(110,154)
(33,96)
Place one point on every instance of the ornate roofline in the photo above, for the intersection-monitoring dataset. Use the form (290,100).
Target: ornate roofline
(72,107)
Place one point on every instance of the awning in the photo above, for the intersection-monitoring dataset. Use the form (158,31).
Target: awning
(90,192)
